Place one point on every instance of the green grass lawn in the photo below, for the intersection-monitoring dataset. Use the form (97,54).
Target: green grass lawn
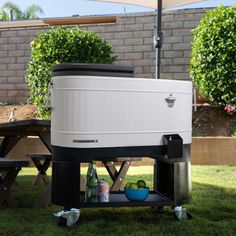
(213,208)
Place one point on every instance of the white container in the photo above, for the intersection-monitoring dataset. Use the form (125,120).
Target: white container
(97,111)
(100,113)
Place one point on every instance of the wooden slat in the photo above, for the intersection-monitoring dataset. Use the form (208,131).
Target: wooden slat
(8,163)
(57,22)
(22,24)
(80,20)
(40,156)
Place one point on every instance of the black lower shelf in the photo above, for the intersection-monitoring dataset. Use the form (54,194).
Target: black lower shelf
(118,199)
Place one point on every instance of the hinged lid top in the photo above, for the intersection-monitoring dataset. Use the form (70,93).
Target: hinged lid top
(92,69)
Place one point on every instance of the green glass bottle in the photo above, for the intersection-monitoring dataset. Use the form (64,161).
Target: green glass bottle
(92,183)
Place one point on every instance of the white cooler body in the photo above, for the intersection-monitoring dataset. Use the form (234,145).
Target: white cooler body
(100,113)
(96,111)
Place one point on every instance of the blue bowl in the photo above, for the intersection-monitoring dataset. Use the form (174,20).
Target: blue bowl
(140,194)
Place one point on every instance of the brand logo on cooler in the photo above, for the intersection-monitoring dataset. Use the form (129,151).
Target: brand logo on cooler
(85,141)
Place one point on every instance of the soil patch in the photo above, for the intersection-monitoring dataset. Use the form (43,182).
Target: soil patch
(208,121)
(21,112)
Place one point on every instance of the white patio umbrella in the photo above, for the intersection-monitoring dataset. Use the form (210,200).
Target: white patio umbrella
(159,5)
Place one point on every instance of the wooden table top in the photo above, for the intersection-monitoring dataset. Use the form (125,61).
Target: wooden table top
(27,127)
(7,163)
(39,156)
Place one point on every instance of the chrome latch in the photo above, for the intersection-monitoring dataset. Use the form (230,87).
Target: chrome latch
(170,100)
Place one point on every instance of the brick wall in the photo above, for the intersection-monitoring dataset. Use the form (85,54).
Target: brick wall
(132,41)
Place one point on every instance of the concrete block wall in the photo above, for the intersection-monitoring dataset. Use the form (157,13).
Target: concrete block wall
(14,57)
(214,150)
(132,41)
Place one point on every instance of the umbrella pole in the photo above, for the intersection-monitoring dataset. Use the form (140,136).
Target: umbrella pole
(158,39)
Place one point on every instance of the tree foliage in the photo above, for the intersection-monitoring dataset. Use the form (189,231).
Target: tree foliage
(32,12)
(213,59)
(61,45)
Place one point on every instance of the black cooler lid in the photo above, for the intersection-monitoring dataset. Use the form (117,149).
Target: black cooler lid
(109,70)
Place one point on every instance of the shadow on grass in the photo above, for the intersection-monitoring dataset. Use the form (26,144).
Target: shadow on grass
(213,202)
(213,209)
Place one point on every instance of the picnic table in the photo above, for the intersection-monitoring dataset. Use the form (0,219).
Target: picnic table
(12,132)
(41,161)
(11,167)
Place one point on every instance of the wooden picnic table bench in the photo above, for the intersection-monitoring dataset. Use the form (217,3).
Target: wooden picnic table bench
(13,132)
(118,175)
(11,167)
(41,161)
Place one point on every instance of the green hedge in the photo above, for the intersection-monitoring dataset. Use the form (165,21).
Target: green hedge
(61,45)
(213,59)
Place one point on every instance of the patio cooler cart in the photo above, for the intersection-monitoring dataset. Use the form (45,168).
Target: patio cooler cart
(99,112)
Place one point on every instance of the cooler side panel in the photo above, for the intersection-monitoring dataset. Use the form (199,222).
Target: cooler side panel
(113,117)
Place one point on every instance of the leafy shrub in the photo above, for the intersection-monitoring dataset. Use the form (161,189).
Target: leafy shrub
(213,59)
(233,127)
(61,45)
